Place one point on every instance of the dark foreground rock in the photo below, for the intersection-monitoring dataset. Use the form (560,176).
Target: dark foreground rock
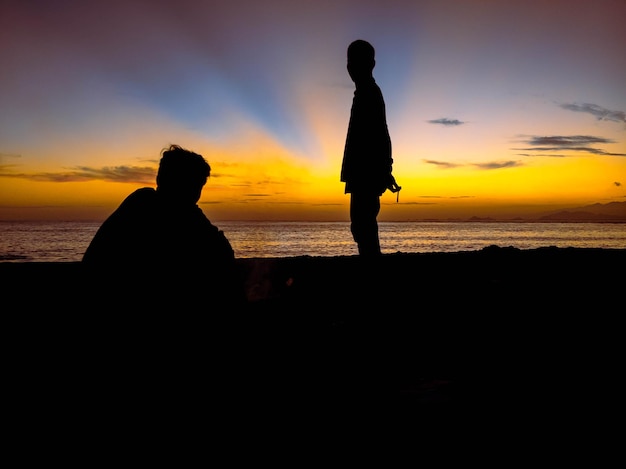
(500,328)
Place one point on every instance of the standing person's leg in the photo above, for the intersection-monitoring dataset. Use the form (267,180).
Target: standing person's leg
(364,209)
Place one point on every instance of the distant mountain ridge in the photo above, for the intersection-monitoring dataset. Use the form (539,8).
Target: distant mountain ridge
(612,212)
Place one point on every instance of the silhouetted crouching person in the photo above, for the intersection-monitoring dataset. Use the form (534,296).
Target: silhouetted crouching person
(367,162)
(164,288)
(159,248)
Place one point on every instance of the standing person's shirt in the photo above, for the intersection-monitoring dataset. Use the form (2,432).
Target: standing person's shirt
(367,161)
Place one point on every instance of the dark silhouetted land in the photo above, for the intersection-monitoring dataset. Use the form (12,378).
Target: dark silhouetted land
(498,328)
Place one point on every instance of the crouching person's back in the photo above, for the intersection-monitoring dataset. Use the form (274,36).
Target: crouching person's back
(158,250)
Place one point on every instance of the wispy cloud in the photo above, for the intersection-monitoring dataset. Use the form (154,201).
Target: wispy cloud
(487,165)
(139,174)
(129,174)
(567,141)
(447,122)
(598,112)
(498,164)
(441,164)
(545,154)
(576,143)
(6,168)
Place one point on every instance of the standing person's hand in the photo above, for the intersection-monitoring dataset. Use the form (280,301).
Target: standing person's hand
(393,185)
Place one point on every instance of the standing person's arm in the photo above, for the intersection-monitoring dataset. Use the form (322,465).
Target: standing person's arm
(382,144)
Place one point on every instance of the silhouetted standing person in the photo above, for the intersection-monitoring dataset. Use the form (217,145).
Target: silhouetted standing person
(367,162)
(159,239)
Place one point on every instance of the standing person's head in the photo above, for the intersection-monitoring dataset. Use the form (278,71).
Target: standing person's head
(361,60)
(182,174)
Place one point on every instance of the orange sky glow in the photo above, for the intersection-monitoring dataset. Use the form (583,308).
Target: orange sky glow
(495,109)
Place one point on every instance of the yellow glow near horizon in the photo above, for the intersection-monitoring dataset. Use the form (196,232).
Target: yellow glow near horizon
(273,185)
(255,177)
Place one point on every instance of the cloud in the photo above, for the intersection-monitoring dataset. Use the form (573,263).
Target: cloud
(498,164)
(577,143)
(551,156)
(421,203)
(441,164)
(5,169)
(568,140)
(600,113)
(447,122)
(134,174)
(129,174)
(595,151)
(488,165)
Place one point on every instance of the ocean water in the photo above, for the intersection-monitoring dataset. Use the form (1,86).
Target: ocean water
(26,241)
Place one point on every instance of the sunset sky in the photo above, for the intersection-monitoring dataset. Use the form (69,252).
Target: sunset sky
(497,108)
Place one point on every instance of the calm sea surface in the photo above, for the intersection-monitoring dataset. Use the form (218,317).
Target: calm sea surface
(67,241)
